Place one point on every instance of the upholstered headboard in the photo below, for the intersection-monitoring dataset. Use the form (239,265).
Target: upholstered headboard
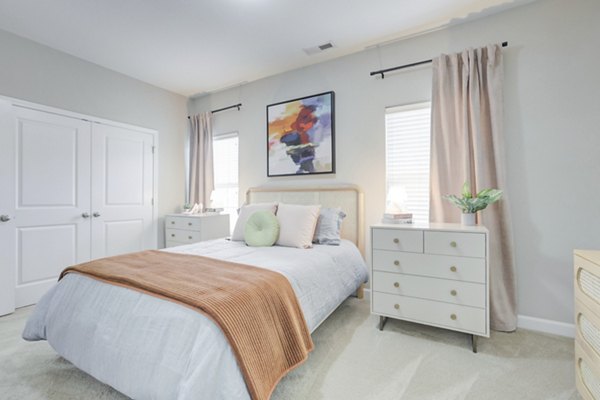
(348,197)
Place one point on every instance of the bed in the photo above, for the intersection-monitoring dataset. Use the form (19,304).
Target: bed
(150,348)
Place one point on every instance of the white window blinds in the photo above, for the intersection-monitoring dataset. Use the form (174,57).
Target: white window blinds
(225,161)
(407,155)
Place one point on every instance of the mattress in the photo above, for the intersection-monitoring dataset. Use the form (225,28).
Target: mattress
(150,348)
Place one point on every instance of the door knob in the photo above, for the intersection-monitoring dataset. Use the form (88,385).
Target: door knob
(96,214)
(4,218)
(85,215)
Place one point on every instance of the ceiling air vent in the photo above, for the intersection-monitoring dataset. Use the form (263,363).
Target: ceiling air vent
(318,49)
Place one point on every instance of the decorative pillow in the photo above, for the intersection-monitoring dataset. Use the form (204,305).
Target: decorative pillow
(262,229)
(245,212)
(329,226)
(297,225)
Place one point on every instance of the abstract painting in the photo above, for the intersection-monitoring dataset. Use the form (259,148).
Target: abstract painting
(301,136)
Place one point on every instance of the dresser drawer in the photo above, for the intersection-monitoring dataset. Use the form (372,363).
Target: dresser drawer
(587,282)
(182,236)
(463,318)
(188,223)
(397,239)
(463,293)
(587,376)
(455,244)
(447,267)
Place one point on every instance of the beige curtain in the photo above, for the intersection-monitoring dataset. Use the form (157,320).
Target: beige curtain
(201,172)
(467,145)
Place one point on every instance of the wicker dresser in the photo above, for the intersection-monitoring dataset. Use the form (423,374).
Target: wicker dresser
(587,322)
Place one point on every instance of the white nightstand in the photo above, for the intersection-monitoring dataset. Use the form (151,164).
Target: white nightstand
(435,274)
(183,228)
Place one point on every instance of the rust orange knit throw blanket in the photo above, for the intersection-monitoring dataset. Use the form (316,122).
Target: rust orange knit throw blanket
(256,308)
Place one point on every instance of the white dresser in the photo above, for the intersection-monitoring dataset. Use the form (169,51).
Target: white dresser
(435,274)
(587,322)
(183,228)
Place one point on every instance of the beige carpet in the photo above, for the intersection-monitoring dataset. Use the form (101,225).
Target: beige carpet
(352,360)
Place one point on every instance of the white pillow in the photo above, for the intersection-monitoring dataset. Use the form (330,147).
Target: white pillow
(245,212)
(297,225)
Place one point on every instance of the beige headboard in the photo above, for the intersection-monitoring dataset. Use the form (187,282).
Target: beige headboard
(348,197)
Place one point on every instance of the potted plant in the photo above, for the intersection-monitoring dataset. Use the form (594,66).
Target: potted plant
(470,204)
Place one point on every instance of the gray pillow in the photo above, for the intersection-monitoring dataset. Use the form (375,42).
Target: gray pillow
(329,226)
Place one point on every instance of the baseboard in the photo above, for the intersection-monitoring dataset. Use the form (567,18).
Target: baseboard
(534,324)
(546,326)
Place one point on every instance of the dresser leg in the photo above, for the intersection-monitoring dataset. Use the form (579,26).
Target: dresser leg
(474,343)
(382,321)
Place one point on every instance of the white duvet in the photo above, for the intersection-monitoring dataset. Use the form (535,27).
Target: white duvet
(148,348)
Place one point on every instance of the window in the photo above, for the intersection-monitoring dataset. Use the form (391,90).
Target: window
(407,156)
(225,159)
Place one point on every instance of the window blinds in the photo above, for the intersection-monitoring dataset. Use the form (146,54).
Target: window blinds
(225,162)
(408,154)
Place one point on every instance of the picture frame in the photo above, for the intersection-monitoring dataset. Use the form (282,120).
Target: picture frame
(301,136)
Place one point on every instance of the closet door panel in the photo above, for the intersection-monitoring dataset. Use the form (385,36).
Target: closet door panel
(122,188)
(7,207)
(48,199)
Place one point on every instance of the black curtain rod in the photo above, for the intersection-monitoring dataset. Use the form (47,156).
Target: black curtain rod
(383,71)
(238,106)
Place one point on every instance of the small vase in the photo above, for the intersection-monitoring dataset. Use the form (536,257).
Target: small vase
(467,219)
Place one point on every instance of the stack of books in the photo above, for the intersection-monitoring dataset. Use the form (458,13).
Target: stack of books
(397,218)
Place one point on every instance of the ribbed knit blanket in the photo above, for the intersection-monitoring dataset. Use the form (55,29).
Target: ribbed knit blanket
(256,308)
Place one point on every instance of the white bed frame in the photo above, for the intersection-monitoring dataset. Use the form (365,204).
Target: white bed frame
(348,197)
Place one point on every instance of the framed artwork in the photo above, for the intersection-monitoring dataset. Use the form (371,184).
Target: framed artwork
(301,136)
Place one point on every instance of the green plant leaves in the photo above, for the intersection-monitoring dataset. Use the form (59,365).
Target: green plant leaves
(470,204)
(466,191)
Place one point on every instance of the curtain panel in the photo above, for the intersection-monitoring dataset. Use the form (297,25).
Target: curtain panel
(467,145)
(201,170)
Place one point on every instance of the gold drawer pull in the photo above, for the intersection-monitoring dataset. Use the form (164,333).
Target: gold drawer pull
(453,292)
(396,284)
(453,268)
(396,240)
(453,244)
(453,317)
(396,263)
(189,237)
(172,222)
(397,306)
(172,235)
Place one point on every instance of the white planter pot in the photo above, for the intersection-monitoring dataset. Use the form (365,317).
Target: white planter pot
(468,219)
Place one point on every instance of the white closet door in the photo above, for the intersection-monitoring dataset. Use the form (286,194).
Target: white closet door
(7,245)
(46,196)
(122,188)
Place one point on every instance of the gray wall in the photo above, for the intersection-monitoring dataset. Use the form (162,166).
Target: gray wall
(551,126)
(33,72)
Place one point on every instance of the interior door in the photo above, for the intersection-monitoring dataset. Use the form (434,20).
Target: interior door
(122,190)
(7,245)
(45,200)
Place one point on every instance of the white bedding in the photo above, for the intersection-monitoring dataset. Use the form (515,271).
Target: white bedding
(148,348)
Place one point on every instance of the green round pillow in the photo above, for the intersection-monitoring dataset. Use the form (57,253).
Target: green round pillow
(262,229)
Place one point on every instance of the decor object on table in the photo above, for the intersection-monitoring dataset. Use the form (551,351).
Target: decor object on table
(395,207)
(470,204)
(300,136)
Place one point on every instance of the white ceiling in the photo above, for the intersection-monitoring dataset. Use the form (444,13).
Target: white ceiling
(196,46)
